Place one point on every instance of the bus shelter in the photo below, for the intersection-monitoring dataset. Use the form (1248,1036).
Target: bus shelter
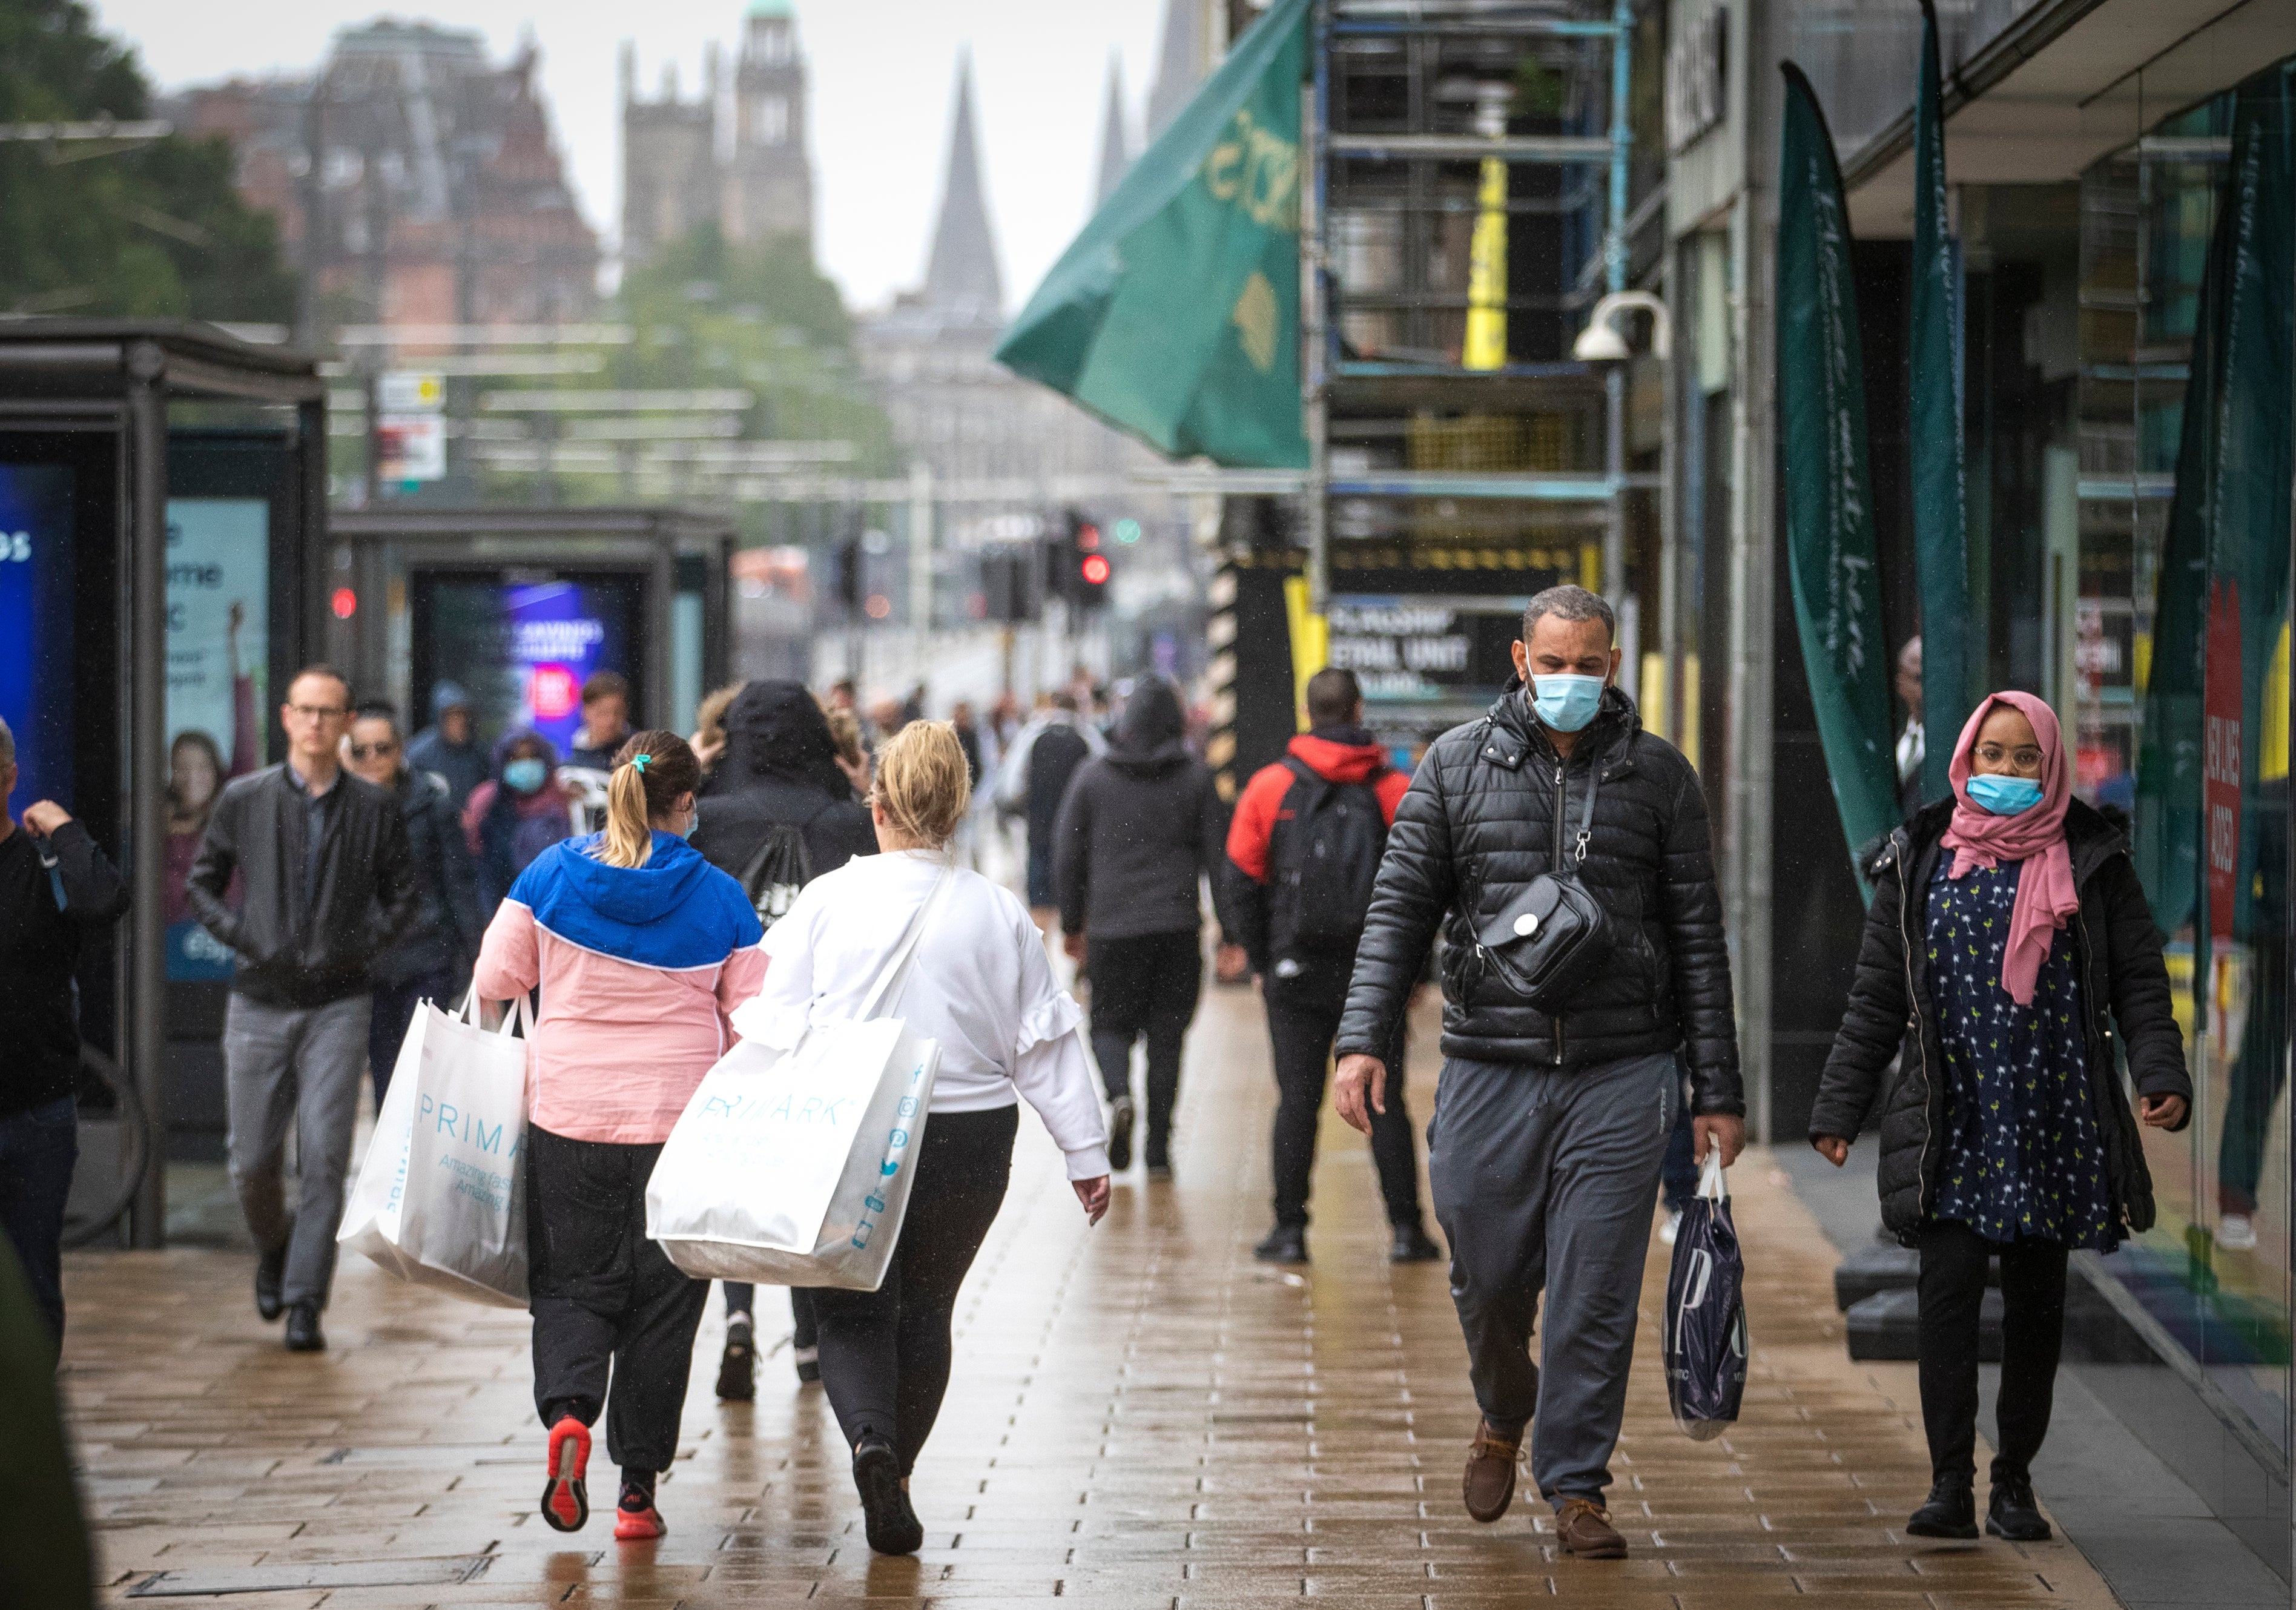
(518,607)
(161,486)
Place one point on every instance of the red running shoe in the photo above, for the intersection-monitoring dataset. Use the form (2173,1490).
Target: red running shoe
(566,1496)
(638,1526)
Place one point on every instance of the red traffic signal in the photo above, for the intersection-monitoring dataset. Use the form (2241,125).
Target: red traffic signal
(1096,571)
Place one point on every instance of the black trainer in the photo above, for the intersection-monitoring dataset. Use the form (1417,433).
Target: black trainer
(737,1366)
(1412,1246)
(892,1526)
(2012,1513)
(1120,1134)
(270,1270)
(1951,1511)
(1285,1243)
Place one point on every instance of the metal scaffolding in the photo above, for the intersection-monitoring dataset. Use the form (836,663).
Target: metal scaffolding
(1417,400)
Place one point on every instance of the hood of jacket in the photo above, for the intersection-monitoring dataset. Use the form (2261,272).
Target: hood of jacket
(1152,737)
(1341,754)
(446,696)
(546,798)
(676,911)
(775,728)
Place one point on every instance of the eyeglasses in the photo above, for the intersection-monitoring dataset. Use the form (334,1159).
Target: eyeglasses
(2025,758)
(387,748)
(318,712)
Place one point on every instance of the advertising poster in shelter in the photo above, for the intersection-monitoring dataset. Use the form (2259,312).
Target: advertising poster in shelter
(218,658)
(36,628)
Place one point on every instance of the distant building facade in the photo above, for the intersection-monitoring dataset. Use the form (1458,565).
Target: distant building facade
(1001,447)
(415,182)
(735,155)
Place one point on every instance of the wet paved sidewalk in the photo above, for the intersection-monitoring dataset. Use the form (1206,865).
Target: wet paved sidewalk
(1140,1416)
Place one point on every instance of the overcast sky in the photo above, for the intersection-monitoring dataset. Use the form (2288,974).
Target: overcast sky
(883,76)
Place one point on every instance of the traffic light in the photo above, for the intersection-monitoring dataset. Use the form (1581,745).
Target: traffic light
(1084,573)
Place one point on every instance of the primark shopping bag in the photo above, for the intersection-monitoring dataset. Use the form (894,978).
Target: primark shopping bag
(794,1168)
(1705,1330)
(441,1198)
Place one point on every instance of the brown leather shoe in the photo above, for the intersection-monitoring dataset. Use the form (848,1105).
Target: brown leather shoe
(1585,1531)
(1489,1486)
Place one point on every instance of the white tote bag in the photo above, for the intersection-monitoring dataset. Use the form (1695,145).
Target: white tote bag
(795,1169)
(441,1198)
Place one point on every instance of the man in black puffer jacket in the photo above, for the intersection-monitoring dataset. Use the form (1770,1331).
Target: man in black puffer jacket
(1549,1128)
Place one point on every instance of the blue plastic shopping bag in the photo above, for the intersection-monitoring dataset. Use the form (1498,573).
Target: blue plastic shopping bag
(1705,1330)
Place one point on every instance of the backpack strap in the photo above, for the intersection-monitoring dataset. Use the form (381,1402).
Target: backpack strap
(758,862)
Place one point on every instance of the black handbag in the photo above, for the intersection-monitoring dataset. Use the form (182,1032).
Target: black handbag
(1555,935)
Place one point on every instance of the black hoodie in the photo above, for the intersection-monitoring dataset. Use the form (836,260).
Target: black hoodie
(780,766)
(1138,827)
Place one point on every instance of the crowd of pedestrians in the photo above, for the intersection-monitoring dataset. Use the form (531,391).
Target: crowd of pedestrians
(661,897)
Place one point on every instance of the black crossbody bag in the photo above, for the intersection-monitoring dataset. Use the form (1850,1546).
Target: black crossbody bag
(1555,935)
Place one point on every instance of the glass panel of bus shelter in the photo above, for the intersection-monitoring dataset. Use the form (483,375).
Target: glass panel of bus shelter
(2214,1270)
(218,687)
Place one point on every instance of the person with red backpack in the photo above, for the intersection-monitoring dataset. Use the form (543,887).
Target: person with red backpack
(1303,851)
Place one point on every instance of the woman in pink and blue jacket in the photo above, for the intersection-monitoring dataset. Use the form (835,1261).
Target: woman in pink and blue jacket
(640,948)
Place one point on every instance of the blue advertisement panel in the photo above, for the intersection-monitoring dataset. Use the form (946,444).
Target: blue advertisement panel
(36,628)
(218,659)
(522,651)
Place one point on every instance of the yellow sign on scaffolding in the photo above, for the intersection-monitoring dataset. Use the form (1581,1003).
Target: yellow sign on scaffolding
(1486,273)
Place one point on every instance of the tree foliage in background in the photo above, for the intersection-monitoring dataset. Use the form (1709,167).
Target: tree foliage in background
(710,314)
(760,317)
(153,232)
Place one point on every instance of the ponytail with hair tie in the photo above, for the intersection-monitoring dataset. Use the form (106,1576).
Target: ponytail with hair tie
(651,773)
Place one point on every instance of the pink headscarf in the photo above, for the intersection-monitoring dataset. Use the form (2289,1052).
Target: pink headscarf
(2046,894)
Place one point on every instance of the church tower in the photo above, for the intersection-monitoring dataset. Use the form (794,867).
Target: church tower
(669,161)
(769,181)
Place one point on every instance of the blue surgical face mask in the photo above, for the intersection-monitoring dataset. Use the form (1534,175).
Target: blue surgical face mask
(1566,702)
(2004,796)
(525,775)
(692,821)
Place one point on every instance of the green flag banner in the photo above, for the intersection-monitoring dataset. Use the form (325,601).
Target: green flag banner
(1821,444)
(1940,482)
(1175,314)
(2223,584)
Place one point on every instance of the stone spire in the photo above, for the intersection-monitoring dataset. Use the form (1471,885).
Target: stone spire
(961,279)
(1115,149)
(1179,64)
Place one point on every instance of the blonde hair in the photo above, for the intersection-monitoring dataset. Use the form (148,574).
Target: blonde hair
(651,773)
(845,733)
(709,715)
(923,782)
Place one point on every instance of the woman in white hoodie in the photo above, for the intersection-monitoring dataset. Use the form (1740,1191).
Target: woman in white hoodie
(979,985)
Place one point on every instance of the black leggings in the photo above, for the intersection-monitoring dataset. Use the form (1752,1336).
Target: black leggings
(1953,1260)
(885,1354)
(604,1298)
(1145,985)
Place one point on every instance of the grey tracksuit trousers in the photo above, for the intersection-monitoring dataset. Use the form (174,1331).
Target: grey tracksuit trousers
(1543,1180)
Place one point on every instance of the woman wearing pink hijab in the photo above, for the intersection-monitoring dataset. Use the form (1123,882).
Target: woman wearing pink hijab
(2006,923)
